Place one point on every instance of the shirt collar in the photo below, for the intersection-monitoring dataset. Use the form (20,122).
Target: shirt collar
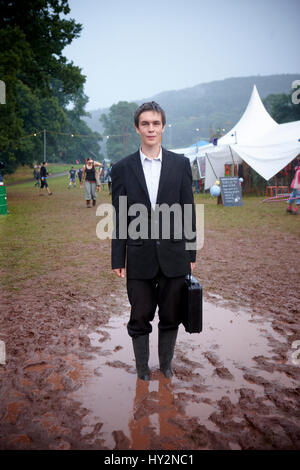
(144,157)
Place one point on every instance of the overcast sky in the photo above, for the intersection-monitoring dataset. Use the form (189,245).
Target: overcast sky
(133,49)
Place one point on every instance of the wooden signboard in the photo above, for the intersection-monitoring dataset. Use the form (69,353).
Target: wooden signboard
(231,191)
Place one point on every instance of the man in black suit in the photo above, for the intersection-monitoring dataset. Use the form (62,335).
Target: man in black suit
(143,184)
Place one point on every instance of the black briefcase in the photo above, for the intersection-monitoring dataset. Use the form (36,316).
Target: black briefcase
(193,305)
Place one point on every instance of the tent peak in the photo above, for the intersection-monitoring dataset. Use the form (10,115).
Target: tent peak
(255,122)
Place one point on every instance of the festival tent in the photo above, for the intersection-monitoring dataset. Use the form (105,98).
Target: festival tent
(254,123)
(274,151)
(200,143)
(257,139)
(192,151)
(189,152)
(197,161)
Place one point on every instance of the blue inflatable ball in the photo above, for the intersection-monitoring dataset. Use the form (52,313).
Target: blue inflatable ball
(215,191)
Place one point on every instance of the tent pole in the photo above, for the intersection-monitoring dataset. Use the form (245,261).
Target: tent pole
(211,166)
(232,159)
(231,154)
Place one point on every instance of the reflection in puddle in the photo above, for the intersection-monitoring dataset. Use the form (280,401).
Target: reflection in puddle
(207,366)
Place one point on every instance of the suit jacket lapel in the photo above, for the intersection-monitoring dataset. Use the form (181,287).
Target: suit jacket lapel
(139,173)
(166,169)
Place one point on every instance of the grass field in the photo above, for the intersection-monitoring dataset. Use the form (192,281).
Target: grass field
(43,235)
(24,173)
(254,216)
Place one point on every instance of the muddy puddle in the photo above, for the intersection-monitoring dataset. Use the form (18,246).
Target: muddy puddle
(69,381)
(234,387)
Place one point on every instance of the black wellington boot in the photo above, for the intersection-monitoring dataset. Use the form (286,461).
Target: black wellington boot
(166,346)
(141,352)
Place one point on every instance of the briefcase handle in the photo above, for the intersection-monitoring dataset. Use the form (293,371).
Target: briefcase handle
(191,279)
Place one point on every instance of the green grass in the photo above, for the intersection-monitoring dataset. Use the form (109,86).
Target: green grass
(253,216)
(45,233)
(24,173)
(49,234)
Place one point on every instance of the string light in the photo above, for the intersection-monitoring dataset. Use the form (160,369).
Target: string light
(35,134)
(119,135)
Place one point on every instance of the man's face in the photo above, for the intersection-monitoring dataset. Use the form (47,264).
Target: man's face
(150,128)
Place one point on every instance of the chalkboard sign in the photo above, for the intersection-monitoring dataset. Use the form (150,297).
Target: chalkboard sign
(231,191)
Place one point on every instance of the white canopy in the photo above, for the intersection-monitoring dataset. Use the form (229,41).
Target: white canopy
(254,123)
(264,145)
(261,142)
(193,151)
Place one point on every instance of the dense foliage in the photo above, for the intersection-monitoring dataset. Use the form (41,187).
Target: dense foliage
(282,108)
(43,89)
(119,130)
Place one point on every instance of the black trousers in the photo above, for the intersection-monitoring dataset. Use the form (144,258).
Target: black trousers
(146,294)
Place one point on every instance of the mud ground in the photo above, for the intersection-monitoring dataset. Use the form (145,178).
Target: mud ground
(69,380)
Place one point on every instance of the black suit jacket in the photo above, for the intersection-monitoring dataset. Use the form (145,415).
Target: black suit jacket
(144,256)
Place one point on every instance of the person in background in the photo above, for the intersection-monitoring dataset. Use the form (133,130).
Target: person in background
(72,174)
(1,177)
(196,176)
(37,176)
(109,178)
(197,187)
(295,187)
(90,177)
(44,174)
(79,174)
(102,178)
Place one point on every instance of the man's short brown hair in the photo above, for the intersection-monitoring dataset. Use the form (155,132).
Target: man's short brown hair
(150,106)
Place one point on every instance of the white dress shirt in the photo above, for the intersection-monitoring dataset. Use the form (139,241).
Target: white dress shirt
(152,168)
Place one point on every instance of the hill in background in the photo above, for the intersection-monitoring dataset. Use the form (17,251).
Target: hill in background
(196,113)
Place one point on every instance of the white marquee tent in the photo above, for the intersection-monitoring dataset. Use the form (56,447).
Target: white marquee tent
(262,143)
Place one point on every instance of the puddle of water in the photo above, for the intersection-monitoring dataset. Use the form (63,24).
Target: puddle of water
(144,411)
(234,340)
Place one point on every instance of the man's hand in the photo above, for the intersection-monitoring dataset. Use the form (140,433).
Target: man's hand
(120,272)
(192,267)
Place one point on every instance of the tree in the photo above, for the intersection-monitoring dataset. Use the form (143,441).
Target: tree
(44,91)
(47,34)
(282,108)
(78,140)
(15,54)
(122,138)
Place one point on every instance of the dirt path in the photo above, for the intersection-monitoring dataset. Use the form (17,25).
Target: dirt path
(69,381)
